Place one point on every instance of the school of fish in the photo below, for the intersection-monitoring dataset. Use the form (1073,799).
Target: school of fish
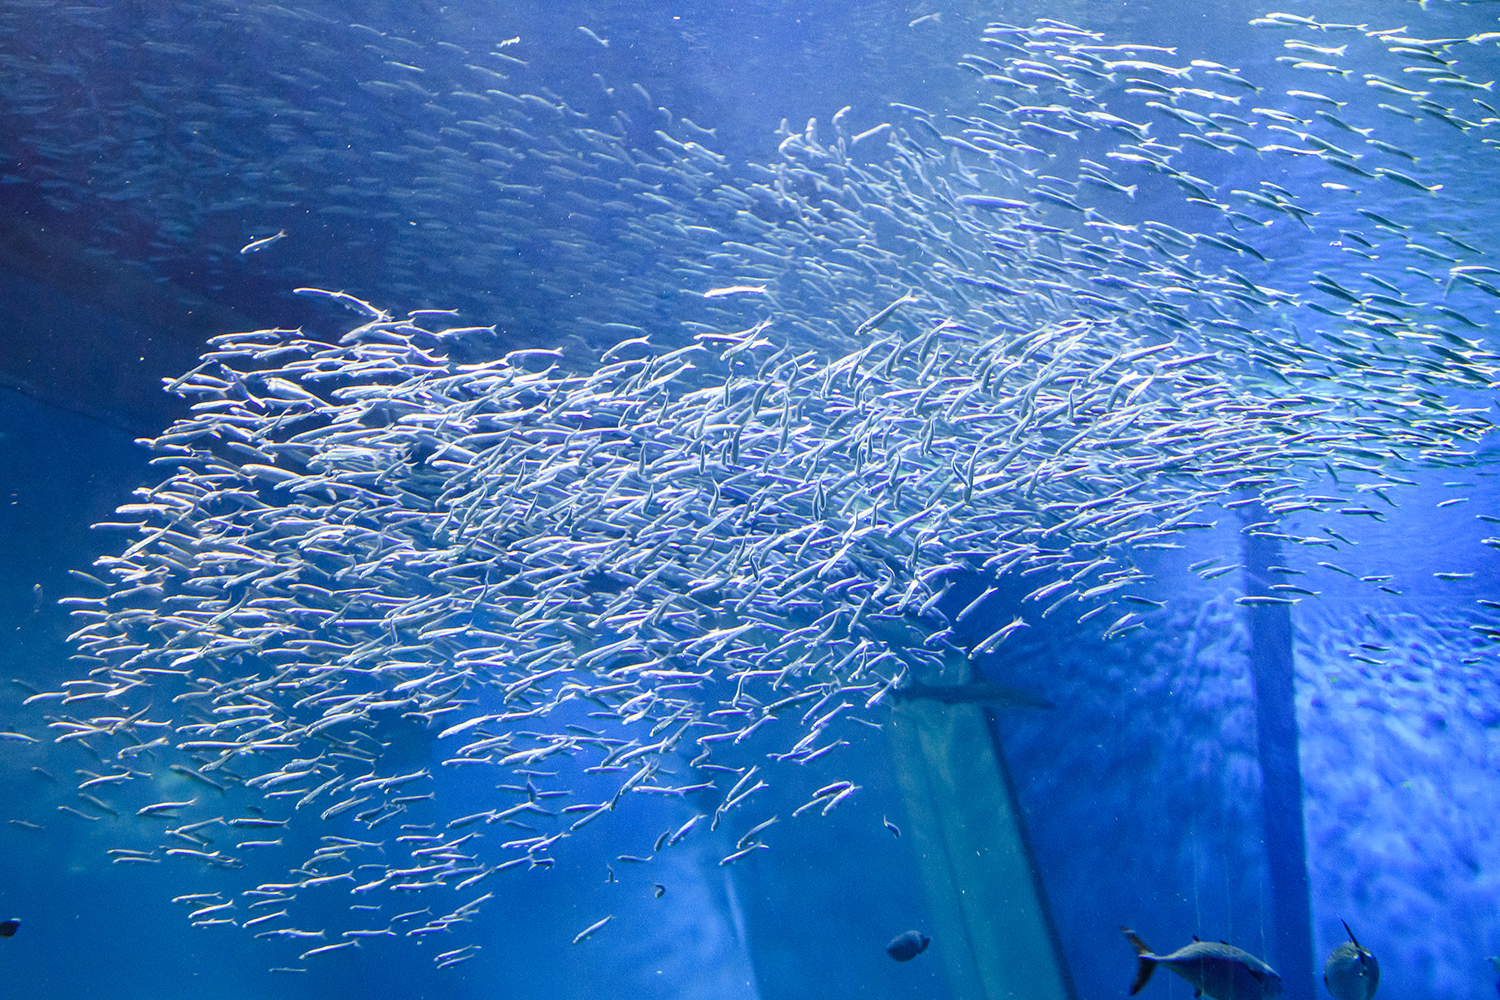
(683,549)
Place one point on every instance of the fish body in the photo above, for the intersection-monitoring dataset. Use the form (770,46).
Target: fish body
(1215,969)
(260,245)
(1351,972)
(592,929)
(907,946)
(715,293)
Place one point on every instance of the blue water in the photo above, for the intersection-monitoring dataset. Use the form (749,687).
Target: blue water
(143,147)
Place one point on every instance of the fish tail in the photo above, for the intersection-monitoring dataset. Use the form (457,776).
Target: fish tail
(1147,962)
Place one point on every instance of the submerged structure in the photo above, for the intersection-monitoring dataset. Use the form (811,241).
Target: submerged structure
(902,416)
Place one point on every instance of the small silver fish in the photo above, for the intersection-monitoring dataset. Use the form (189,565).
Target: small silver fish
(262,244)
(1351,972)
(1215,969)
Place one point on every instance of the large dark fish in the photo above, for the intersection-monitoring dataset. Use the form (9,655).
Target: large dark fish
(1351,972)
(907,946)
(1215,969)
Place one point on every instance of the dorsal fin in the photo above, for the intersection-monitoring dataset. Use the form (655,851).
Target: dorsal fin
(1351,935)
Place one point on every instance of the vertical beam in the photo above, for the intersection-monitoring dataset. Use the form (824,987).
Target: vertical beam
(1273,668)
(991,927)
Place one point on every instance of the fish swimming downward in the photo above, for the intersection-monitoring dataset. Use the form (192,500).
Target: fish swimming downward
(1351,972)
(1215,969)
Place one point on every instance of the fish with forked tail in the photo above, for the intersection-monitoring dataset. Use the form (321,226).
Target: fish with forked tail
(1217,970)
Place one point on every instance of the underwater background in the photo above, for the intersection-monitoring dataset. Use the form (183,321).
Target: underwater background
(1165,329)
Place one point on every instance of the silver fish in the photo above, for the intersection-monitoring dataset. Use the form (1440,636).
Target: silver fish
(261,244)
(1215,969)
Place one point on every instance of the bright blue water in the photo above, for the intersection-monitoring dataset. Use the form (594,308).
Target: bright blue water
(172,136)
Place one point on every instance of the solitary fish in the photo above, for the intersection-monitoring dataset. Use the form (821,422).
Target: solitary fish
(591,929)
(907,946)
(718,293)
(8,928)
(1215,969)
(1351,972)
(262,244)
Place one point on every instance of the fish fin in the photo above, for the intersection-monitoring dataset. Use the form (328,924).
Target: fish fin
(1147,963)
(1142,974)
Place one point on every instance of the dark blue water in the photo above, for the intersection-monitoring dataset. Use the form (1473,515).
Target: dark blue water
(145,145)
